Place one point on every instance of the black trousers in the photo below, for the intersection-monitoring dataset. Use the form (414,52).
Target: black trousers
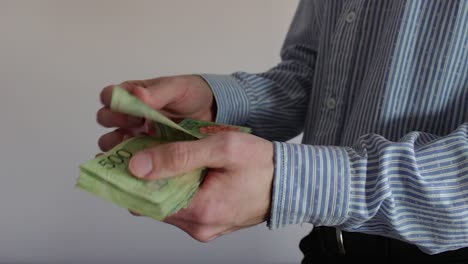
(321,246)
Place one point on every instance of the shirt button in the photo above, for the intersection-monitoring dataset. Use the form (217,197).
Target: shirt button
(350,17)
(331,103)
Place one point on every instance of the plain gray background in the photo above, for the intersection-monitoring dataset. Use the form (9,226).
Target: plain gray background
(55,57)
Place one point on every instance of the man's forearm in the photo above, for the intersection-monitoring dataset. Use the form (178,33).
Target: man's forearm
(413,190)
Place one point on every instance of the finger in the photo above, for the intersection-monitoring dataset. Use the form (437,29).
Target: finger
(187,227)
(106,93)
(108,118)
(134,213)
(159,95)
(134,83)
(173,159)
(107,141)
(191,220)
(200,232)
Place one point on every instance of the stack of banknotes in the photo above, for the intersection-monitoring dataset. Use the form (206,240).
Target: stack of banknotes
(107,176)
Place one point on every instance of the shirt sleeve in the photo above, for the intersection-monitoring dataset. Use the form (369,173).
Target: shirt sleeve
(414,190)
(273,103)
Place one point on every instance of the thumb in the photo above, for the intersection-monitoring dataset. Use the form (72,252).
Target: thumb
(176,158)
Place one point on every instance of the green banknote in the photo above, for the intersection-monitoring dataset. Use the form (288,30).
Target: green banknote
(189,129)
(107,176)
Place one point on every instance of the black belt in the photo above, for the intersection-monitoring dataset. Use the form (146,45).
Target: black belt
(336,246)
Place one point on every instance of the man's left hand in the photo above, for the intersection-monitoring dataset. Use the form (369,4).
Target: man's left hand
(236,192)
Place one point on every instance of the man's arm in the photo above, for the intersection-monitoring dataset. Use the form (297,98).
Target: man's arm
(413,190)
(273,103)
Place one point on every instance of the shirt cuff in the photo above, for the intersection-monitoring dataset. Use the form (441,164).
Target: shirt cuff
(231,99)
(311,184)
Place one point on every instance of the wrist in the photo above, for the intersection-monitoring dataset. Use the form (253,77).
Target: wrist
(203,88)
(231,101)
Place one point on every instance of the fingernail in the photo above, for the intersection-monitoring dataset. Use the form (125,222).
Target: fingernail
(141,165)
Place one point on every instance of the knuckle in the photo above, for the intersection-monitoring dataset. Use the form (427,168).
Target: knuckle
(203,234)
(208,213)
(179,156)
(129,83)
(229,145)
(159,81)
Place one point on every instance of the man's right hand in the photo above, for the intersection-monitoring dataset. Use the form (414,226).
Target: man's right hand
(178,97)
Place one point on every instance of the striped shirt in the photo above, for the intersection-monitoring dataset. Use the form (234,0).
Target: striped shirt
(380,91)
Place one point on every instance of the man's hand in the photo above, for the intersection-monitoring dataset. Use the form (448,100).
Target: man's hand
(178,97)
(236,192)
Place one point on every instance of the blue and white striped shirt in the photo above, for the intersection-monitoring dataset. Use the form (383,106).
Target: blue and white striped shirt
(380,90)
